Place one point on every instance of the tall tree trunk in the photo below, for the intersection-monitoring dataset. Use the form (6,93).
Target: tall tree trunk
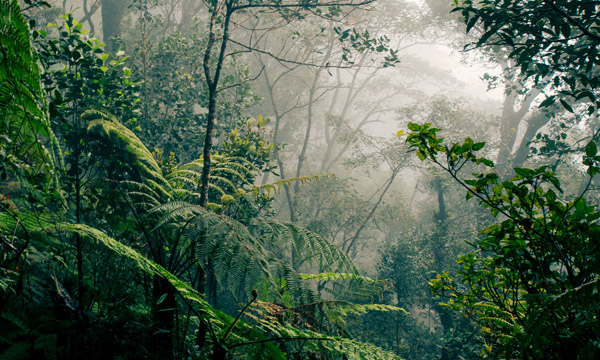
(212,82)
(511,119)
(440,256)
(212,77)
(534,124)
(351,248)
(113,12)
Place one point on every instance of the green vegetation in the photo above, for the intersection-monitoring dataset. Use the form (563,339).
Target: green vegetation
(145,210)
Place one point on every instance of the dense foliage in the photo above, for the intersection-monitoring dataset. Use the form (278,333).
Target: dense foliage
(532,281)
(70,289)
(145,179)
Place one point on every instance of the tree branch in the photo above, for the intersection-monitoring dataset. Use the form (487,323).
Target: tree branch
(574,21)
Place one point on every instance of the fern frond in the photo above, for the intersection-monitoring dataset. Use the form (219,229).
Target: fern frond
(224,180)
(142,263)
(107,127)
(17,351)
(498,322)
(195,165)
(24,123)
(180,172)
(336,276)
(177,181)
(234,168)
(364,308)
(310,246)
(493,308)
(141,188)
(216,188)
(586,290)
(277,185)
(267,318)
(150,199)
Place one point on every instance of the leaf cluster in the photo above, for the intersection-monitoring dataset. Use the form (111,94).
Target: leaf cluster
(542,248)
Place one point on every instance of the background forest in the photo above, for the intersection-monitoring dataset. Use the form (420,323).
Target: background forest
(274,179)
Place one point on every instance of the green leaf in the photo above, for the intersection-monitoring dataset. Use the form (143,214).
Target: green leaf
(566,105)
(472,22)
(548,101)
(591,149)
(413,126)
(161,299)
(478,146)
(486,36)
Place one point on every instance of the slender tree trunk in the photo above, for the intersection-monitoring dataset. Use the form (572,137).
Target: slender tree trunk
(511,118)
(212,80)
(81,328)
(533,126)
(309,122)
(351,249)
(202,328)
(89,12)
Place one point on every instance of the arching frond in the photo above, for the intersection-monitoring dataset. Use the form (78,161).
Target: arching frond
(310,246)
(224,180)
(263,327)
(279,184)
(226,172)
(268,318)
(240,257)
(25,133)
(107,126)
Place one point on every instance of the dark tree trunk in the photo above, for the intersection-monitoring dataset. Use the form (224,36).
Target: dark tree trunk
(113,12)
(163,313)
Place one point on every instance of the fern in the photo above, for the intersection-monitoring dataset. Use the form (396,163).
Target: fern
(106,126)
(498,322)
(26,138)
(315,249)
(239,253)
(266,328)
(267,317)
(279,184)
(17,351)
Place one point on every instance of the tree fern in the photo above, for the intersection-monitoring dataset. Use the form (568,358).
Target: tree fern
(238,253)
(164,207)
(243,334)
(109,128)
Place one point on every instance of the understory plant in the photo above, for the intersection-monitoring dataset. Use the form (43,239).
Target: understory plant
(531,281)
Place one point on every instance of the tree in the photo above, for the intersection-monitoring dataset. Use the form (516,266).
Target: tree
(324,123)
(552,44)
(226,14)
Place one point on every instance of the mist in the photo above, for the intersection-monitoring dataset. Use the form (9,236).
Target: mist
(231,179)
